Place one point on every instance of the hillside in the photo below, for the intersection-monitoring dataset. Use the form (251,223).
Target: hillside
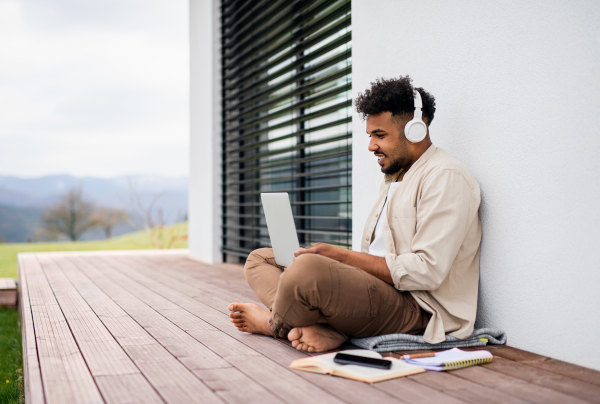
(22,200)
(132,241)
(18,224)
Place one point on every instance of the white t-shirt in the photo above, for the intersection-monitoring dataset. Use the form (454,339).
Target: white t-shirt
(377,247)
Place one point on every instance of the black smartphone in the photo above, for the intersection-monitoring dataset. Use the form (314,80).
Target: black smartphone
(346,359)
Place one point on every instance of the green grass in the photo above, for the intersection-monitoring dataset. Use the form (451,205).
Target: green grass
(11,361)
(132,241)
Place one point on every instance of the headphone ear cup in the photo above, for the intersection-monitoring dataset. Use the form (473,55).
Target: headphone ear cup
(415,131)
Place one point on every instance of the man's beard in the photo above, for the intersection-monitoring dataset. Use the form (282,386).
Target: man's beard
(393,168)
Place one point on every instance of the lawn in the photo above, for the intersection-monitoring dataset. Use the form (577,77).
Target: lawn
(174,237)
(11,360)
(11,365)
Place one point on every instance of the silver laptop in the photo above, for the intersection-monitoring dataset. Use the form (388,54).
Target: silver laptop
(281,226)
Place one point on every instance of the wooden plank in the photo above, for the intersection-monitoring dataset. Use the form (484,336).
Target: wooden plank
(349,391)
(522,357)
(226,276)
(252,391)
(568,369)
(553,381)
(285,384)
(181,294)
(103,355)
(32,377)
(522,364)
(180,344)
(8,293)
(65,375)
(513,386)
(462,389)
(412,392)
(216,342)
(220,297)
(235,387)
(171,379)
(513,354)
(8,298)
(127,389)
(210,336)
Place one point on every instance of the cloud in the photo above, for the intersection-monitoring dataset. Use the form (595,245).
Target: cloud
(93,88)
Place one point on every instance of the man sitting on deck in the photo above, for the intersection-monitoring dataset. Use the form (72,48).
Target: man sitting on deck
(418,269)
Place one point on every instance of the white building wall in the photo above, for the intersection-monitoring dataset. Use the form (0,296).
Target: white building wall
(517,86)
(205,148)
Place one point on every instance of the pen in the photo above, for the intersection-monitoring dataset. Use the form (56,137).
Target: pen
(419,355)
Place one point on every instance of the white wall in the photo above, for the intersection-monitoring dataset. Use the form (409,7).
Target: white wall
(204,188)
(517,86)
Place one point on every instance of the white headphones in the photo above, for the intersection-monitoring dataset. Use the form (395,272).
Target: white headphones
(416,130)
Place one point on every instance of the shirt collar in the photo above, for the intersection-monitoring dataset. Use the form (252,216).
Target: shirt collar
(420,161)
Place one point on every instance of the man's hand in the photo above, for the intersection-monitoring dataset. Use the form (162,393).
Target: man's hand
(369,263)
(326,250)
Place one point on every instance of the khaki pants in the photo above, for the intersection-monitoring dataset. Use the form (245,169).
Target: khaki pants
(319,289)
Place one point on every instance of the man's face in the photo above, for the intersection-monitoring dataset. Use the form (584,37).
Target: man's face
(388,143)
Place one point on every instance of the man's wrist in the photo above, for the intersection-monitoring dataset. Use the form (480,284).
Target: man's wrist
(343,255)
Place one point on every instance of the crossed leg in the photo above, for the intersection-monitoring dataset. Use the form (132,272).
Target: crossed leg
(313,288)
(263,273)
(249,317)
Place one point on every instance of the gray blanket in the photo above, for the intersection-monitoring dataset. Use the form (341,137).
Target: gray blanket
(405,342)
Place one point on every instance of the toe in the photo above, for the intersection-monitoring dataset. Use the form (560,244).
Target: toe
(295,334)
(235,307)
(235,315)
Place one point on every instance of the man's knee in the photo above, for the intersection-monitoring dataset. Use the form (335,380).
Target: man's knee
(306,272)
(255,258)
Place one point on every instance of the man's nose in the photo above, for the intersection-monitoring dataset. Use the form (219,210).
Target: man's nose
(373,146)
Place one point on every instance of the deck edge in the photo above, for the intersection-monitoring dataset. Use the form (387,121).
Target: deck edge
(153,252)
(32,376)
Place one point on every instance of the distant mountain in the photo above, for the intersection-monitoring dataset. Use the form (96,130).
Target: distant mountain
(18,224)
(26,198)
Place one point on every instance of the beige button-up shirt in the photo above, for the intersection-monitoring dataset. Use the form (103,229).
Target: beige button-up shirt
(432,237)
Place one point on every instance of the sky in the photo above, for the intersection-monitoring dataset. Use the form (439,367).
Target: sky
(94,88)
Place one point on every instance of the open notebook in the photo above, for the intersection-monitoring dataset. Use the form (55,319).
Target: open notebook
(324,364)
(452,359)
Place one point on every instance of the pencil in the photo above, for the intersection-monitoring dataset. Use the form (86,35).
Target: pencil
(419,355)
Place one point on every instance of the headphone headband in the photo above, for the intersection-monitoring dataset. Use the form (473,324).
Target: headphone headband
(418,106)
(416,130)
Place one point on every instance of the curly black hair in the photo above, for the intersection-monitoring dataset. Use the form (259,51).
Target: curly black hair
(395,96)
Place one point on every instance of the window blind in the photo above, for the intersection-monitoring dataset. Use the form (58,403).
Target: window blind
(286,119)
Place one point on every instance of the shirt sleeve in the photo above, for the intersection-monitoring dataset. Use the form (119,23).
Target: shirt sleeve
(444,214)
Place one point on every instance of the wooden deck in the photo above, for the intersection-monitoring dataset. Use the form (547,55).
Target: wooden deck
(152,327)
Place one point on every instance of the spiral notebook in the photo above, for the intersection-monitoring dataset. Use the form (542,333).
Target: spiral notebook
(452,359)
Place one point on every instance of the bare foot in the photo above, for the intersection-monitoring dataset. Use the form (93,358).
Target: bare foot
(248,317)
(315,338)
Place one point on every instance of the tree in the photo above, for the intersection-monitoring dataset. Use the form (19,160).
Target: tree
(145,217)
(72,215)
(107,219)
